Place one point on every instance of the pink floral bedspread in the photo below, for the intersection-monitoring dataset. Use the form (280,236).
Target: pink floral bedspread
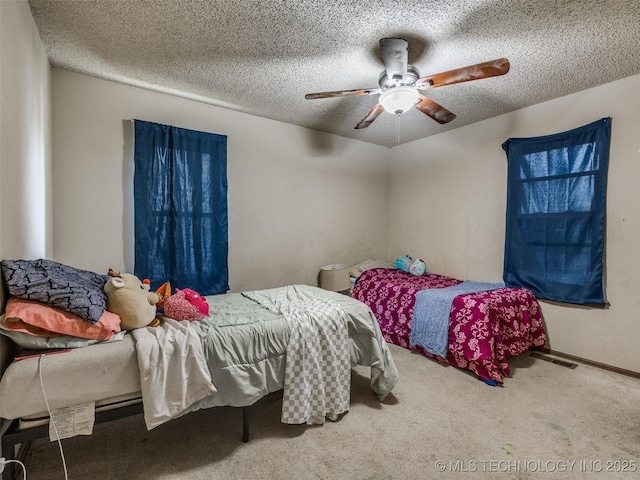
(485,328)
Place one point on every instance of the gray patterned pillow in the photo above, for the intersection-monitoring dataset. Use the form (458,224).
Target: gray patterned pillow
(57,285)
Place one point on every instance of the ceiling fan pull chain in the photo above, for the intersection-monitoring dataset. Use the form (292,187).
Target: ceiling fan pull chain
(397,130)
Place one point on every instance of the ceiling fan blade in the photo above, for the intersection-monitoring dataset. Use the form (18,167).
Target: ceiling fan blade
(434,110)
(492,68)
(371,116)
(395,54)
(343,93)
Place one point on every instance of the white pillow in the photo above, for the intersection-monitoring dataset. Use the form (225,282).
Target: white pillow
(376,264)
(355,271)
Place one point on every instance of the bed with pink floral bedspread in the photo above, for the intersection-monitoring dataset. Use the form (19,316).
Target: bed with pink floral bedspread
(485,328)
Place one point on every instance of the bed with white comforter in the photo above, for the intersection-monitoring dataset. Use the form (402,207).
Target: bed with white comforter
(235,356)
(298,338)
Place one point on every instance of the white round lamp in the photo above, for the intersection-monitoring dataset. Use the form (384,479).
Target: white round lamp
(335,277)
(398,100)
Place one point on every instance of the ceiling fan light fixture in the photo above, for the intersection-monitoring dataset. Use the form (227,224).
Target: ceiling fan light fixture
(398,100)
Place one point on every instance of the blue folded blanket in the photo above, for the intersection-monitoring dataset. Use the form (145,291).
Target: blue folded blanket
(430,323)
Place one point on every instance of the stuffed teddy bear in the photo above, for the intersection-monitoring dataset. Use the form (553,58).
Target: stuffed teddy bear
(131,299)
(186,305)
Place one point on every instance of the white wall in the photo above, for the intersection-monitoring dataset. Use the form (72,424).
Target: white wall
(25,146)
(447,197)
(298,199)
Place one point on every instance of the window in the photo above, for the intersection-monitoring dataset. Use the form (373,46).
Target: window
(555,228)
(180,197)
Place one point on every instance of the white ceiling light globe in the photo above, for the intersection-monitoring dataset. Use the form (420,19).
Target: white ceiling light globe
(398,100)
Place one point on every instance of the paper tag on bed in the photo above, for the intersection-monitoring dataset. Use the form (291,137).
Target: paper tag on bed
(72,421)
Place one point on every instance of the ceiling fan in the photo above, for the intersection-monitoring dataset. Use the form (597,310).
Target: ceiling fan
(400,84)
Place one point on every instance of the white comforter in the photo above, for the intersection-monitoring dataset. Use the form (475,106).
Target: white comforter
(173,370)
(318,356)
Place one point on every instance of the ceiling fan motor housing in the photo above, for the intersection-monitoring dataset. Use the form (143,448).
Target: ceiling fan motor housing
(410,78)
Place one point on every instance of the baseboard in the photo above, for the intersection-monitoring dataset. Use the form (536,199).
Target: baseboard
(604,366)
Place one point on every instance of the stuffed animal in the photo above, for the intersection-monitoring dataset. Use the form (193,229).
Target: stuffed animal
(418,267)
(131,299)
(198,300)
(186,305)
(164,292)
(404,263)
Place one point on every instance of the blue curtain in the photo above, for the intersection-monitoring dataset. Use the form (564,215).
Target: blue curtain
(180,194)
(556,206)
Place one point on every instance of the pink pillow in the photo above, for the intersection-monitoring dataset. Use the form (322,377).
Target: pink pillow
(41,320)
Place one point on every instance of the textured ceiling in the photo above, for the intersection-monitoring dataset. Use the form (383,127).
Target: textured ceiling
(262,56)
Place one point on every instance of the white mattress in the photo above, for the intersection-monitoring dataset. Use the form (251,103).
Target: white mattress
(94,373)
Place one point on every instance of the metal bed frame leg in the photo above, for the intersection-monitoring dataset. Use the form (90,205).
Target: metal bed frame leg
(7,473)
(9,443)
(245,425)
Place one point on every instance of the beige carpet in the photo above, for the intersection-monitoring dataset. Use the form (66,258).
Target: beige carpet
(547,422)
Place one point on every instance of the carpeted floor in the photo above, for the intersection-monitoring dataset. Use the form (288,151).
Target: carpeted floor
(547,422)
